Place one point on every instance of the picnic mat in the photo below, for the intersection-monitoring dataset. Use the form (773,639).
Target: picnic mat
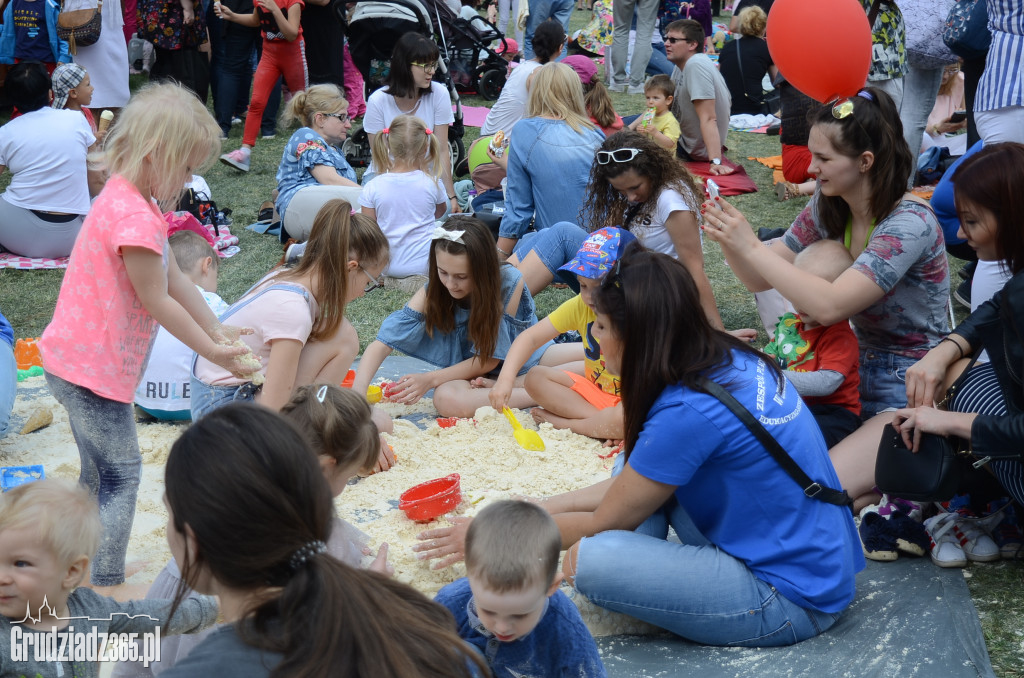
(910,618)
(773,162)
(730,184)
(474,116)
(8,260)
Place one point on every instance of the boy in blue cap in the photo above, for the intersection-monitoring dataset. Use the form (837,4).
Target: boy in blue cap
(582,395)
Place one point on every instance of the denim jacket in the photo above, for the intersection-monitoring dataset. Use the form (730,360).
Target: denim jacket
(58,47)
(548,169)
(998,327)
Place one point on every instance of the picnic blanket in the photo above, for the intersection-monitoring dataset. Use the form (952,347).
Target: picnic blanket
(9,260)
(773,162)
(910,618)
(474,116)
(737,183)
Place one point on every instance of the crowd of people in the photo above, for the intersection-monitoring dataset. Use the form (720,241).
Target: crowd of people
(266,573)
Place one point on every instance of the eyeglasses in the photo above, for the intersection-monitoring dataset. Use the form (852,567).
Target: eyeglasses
(673,41)
(429,68)
(375,282)
(618,155)
(342,117)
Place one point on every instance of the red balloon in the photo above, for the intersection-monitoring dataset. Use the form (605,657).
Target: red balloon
(822,47)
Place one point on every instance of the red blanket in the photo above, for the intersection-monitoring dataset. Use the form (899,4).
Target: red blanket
(730,184)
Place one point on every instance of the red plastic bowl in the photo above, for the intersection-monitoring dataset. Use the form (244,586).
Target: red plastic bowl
(447,422)
(431,499)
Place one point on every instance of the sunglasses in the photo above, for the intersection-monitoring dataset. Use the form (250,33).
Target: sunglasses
(375,282)
(342,117)
(673,41)
(429,68)
(618,155)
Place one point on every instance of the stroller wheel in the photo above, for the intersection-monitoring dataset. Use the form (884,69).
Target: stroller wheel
(356,149)
(491,84)
(458,153)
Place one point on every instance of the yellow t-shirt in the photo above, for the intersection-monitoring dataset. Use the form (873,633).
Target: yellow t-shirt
(667,124)
(575,315)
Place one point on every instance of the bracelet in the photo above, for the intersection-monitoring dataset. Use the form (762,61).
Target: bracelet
(503,252)
(955,343)
(451,197)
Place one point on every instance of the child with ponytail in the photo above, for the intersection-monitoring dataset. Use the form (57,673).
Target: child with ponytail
(300,333)
(251,524)
(406,197)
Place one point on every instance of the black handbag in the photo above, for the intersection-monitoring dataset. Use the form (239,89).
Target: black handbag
(811,488)
(80,27)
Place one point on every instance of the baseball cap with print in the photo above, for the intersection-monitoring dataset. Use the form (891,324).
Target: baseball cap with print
(599,252)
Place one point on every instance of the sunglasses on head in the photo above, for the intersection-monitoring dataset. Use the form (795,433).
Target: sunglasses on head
(843,108)
(618,155)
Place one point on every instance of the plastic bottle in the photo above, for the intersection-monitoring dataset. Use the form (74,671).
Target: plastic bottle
(469,203)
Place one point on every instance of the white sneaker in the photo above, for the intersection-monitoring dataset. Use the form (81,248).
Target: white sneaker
(635,89)
(945,549)
(617,87)
(294,253)
(977,545)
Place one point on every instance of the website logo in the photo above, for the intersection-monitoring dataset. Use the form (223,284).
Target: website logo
(83,644)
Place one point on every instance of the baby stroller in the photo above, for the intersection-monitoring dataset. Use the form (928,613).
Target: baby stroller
(474,65)
(373,30)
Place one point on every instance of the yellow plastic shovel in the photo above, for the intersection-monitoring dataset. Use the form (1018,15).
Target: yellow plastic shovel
(527,439)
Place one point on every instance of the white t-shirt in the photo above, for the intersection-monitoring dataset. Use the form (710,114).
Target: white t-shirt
(166,382)
(651,231)
(405,203)
(45,151)
(277,314)
(433,109)
(511,104)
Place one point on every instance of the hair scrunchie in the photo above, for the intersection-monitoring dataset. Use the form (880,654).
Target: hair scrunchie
(386,131)
(428,131)
(305,552)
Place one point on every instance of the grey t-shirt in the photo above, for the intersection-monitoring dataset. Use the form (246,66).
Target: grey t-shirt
(224,655)
(106,615)
(699,79)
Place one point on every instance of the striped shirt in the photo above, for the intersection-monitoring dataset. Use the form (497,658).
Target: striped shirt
(1002,84)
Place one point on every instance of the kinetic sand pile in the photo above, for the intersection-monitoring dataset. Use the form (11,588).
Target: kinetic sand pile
(491,465)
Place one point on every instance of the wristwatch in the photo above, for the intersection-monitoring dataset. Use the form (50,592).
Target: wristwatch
(716,161)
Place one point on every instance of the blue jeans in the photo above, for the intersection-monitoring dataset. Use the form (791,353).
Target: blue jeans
(693,589)
(883,381)
(540,11)
(108,446)
(231,74)
(659,63)
(920,87)
(8,385)
(555,246)
(206,398)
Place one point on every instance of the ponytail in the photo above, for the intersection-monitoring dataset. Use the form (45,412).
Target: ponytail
(337,236)
(260,514)
(410,140)
(304,105)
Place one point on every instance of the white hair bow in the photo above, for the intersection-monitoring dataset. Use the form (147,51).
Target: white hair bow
(441,233)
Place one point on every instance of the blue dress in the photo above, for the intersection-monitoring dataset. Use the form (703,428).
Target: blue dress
(305,150)
(405,330)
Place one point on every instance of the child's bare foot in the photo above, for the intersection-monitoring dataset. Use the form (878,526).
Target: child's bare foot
(482,382)
(540,415)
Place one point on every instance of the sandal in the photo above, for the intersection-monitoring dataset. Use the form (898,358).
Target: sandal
(784,190)
(265,215)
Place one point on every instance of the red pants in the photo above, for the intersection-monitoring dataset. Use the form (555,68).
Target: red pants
(280,59)
(795,161)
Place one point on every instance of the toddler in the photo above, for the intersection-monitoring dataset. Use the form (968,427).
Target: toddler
(165,386)
(73,91)
(822,360)
(579,393)
(511,596)
(49,531)
(658,122)
(406,198)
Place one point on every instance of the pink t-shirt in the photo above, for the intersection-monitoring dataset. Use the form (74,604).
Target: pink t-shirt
(100,335)
(276,314)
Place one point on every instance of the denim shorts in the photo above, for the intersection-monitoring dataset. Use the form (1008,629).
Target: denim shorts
(883,381)
(206,398)
(556,246)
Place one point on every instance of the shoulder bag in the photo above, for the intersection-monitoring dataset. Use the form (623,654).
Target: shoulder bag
(811,488)
(769,104)
(925,20)
(80,27)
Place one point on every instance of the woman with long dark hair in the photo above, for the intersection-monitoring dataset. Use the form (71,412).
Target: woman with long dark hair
(749,531)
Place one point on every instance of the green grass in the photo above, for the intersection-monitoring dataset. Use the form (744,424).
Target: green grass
(27,298)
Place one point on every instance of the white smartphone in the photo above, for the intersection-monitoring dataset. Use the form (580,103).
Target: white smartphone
(712,189)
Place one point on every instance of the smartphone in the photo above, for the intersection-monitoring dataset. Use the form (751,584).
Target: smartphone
(958,116)
(712,189)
